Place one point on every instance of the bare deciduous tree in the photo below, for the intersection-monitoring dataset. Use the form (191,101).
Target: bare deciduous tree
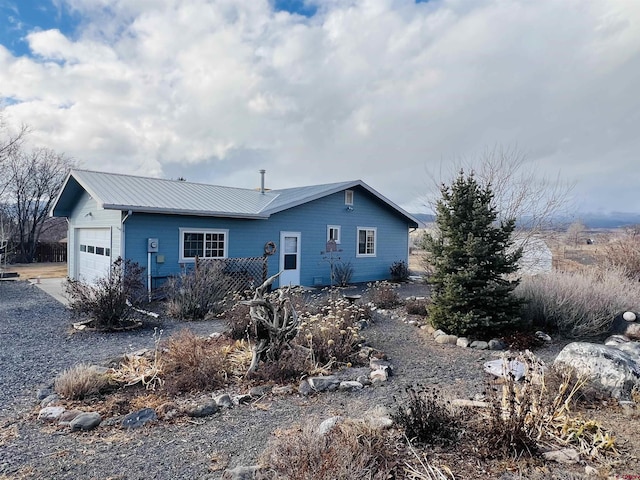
(10,143)
(574,233)
(34,180)
(535,201)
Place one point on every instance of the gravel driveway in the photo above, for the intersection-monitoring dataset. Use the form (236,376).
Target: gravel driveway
(36,344)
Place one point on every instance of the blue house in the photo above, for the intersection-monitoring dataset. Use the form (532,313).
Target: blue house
(165,224)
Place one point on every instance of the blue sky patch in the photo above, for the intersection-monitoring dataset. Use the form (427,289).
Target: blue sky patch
(18,18)
(300,7)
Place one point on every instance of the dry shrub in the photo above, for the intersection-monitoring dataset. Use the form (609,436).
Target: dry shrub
(623,252)
(192,363)
(81,381)
(426,418)
(383,294)
(238,321)
(417,306)
(112,300)
(292,365)
(198,293)
(578,304)
(350,450)
(333,334)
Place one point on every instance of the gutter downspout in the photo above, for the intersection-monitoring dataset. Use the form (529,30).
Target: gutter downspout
(122,235)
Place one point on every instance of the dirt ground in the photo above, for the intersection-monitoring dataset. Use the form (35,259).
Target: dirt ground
(35,270)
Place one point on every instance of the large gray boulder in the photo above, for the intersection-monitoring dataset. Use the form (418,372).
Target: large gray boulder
(611,368)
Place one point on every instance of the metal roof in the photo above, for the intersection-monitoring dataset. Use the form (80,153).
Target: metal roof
(153,195)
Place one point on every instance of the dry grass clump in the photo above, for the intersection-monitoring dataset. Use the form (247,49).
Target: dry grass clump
(192,363)
(81,381)
(292,365)
(578,304)
(351,450)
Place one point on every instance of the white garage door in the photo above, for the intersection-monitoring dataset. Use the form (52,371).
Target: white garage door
(94,253)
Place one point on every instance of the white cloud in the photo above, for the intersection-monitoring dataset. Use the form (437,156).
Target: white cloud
(373,89)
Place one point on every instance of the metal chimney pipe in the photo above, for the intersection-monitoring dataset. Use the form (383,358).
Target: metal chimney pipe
(262,172)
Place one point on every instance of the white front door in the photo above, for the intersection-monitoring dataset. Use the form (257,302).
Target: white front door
(289,258)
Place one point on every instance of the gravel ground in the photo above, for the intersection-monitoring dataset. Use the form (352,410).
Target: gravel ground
(37,343)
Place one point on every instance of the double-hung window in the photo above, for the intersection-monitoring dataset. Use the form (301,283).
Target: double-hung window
(366,242)
(203,243)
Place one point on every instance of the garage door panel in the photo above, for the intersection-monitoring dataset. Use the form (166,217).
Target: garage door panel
(94,253)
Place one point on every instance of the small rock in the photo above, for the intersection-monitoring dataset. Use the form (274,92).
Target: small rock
(379,364)
(242,399)
(327,425)
(501,367)
(565,455)
(68,416)
(379,375)
(50,414)
(202,410)
(430,329)
(43,393)
(543,336)
(349,385)
(260,391)
(320,384)
(50,400)
(590,471)
(224,401)
(364,380)
(479,345)
(241,473)
(463,342)
(216,335)
(437,333)
(412,322)
(616,340)
(85,421)
(139,418)
(446,339)
(99,369)
(497,344)
(304,388)
(629,316)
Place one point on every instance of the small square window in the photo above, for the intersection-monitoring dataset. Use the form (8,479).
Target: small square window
(99,250)
(348,197)
(333,233)
(83,248)
(107,252)
(91,249)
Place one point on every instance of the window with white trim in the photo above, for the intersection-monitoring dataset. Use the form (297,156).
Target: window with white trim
(348,197)
(202,243)
(333,233)
(366,242)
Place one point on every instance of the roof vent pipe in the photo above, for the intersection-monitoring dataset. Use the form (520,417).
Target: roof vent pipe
(262,172)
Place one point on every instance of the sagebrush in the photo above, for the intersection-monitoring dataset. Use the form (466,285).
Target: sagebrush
(577,304)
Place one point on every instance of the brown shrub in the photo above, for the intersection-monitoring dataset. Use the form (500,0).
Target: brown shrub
(383,295)
(292,365)
(81,381)
(238,321)
(417,306)
(192,363)
(350,450)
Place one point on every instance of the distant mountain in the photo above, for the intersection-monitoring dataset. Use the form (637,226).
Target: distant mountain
(590,219)
(424,218)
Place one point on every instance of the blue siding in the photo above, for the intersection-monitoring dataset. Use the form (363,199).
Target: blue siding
(247,237)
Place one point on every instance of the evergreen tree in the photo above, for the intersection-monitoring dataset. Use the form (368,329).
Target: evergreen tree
(471,256)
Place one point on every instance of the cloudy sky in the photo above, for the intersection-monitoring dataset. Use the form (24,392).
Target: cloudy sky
(318,91)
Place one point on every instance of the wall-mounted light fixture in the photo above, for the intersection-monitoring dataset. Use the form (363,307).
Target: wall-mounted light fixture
(349,208)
